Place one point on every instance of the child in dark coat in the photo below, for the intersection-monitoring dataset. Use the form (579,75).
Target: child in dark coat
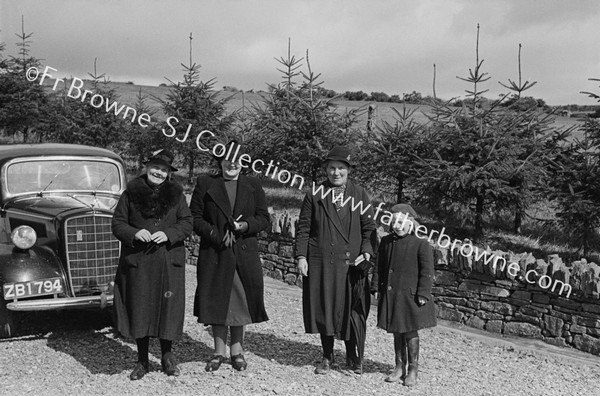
(403,282)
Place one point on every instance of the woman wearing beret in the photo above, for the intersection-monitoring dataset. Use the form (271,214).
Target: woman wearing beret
(152,220)
(403,279)
(229,210)
(333,249)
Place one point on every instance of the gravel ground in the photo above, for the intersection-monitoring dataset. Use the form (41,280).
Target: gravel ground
(78,353)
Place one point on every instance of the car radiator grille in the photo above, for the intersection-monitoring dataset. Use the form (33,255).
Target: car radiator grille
(92,253)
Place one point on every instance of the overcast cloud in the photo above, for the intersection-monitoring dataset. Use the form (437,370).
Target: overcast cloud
(367,45)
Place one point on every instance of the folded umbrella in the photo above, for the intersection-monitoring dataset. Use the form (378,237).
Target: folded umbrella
(361,304)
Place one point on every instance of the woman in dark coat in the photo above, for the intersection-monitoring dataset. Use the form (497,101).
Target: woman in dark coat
(403,281)
(331,240)
(229,210)
(152,220)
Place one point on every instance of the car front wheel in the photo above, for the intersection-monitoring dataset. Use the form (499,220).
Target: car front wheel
(8,321)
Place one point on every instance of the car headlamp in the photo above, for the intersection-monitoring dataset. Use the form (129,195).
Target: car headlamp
(23,237)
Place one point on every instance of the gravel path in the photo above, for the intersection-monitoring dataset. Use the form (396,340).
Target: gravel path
(77,353)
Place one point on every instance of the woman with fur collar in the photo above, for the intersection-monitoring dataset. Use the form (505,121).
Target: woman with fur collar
(152,220)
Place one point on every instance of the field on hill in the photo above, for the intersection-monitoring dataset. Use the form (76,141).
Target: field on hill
(237,99)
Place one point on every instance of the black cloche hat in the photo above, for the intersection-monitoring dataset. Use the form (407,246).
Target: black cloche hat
(163,157)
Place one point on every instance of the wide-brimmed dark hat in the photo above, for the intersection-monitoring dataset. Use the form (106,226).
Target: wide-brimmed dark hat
(163,157)
(339,153)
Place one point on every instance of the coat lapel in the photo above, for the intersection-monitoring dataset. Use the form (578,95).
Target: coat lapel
(332,213)
(219,194)
(347,209)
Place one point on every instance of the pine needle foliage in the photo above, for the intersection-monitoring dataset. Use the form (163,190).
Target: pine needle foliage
(388,154)
(22,102)
(296,124)
(77,122)
(194,102)
(143,139)
(576,185)
(486,158)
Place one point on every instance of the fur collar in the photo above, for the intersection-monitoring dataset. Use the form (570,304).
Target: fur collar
(153,202)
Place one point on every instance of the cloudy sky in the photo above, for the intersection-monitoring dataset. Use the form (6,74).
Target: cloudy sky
(369,45)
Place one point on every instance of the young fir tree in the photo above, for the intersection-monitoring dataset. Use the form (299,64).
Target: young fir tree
(576,179)
(79,122)
(486,157)
(196,103)
(142,139)
(296,125)
(388,154)
(23,103)
(538,141)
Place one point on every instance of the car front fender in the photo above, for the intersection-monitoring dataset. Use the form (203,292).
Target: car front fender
(39,262)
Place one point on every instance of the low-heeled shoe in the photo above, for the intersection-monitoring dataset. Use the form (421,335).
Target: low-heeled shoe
(358,368)
(350,364)
(214,363)
(324,367)
(169,365)
(140,369)
(238,362)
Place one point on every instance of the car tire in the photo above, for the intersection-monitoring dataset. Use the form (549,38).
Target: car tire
(8,321)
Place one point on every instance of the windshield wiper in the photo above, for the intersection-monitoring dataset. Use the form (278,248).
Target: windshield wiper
(101,183)
(41,193)
(91,206)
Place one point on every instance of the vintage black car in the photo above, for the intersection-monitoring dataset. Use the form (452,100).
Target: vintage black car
(57,250)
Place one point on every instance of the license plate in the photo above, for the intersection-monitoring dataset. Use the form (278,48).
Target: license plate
(32,288)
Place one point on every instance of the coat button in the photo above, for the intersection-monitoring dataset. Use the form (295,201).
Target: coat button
(347,254)
(243,247)
(389,287)
(332,243)
(391,271)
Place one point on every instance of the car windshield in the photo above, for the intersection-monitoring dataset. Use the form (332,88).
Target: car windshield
(42,176)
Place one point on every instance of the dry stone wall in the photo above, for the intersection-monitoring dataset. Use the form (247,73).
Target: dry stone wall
(477,295)
(516,307)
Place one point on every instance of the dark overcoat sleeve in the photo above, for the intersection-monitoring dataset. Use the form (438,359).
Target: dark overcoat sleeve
(121,228)
(260,219)
(304,225)
(182,228)
(203,228)
(425,279)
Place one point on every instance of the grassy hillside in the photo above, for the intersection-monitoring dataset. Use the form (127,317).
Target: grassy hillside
(127,95)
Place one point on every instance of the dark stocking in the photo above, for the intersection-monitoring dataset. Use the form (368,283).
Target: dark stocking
(142,347)
(351,355)
(327,344)
(165,346)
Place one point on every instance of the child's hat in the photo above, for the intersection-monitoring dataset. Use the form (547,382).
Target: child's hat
(406,209)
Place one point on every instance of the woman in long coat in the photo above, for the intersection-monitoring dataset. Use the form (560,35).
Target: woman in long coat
(152,220)
(331,240)
(404,279)
(229,210)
